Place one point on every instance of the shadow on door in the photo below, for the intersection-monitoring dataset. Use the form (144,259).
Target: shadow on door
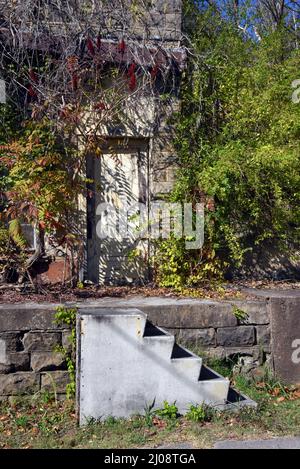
(117,218)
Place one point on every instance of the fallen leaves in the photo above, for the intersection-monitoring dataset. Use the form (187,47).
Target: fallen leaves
(34,430)
(282,393)
(159,423)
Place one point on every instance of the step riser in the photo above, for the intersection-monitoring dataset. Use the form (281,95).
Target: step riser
(188,368)
(159,347)
(214,392)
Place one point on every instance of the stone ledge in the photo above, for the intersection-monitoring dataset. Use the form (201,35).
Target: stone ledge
(165,312)
(27,317)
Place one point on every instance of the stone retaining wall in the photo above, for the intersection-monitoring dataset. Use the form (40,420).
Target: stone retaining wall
(28,361)
(213,330)
(269,333)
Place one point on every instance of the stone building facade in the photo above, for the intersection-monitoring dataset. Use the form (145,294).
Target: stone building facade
(142,169)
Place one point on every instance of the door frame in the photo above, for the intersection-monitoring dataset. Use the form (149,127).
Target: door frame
(119,143)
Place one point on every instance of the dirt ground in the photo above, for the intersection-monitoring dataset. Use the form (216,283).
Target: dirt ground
(60,293)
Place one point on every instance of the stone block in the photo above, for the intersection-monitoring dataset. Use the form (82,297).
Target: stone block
(222,353)
(236,336)
(25,317)
(19,383)
(55,381)
(190,314)
(12,341)
(15,361)
(41,341)
(257,311)
(47,361)
(195,337)
(66,340)
(263,336)
(285,342)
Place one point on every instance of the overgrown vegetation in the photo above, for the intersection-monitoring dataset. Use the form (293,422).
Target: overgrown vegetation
(67,317)
(237,132)
(237,141)
(67,88)
(38,190)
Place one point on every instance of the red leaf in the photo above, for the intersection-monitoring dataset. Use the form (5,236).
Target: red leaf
(75,82)
(90,46)
(132,82)
(99,42)
(31,91)
(154,72)
(33,76)
(122,46)
(100,106)
(131,70)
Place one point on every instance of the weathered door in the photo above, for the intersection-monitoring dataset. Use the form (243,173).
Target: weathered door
(117,247)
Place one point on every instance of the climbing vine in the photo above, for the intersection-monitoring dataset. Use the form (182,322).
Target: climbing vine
(67,317)
(238,148)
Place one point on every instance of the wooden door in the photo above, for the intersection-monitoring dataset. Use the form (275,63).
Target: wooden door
(121,181)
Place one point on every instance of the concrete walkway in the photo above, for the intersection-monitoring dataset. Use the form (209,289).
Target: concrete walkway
(274,443)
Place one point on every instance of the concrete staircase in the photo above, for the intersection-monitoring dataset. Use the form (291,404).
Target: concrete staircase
(125,364)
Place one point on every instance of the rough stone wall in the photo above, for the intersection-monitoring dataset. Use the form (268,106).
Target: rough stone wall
(217,333)
(154,20)
(28,361)
(163,159)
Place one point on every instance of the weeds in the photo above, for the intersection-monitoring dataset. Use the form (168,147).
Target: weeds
(196,413)
(169,411)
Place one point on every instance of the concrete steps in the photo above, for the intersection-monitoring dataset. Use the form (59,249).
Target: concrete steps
(183,380)
(125,363)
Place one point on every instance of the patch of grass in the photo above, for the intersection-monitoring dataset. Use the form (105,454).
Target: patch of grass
(45,423)
(223,367)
